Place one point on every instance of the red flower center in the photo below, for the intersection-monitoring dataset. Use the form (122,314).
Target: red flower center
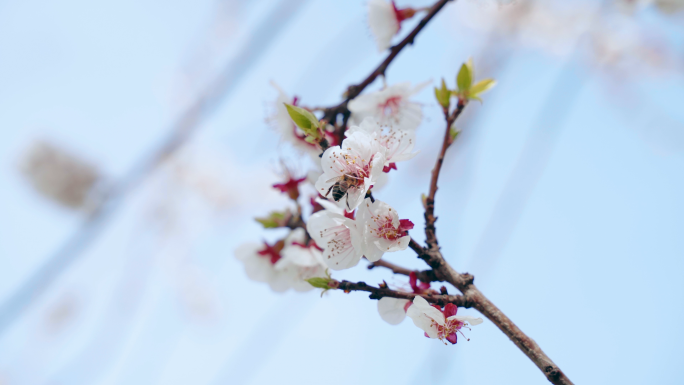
(449,330)
(402,14)
(291,187)
(391,106)
(272,251)
(418,288)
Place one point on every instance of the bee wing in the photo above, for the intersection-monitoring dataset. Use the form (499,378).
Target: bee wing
(335,179)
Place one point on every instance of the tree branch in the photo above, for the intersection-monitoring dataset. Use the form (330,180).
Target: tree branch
(473,296)
(377,293)
(430,234)
(331,113)
(464,282)
(415,246)
(422,275)
(441,270)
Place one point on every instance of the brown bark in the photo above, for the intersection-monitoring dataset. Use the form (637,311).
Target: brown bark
(377,293)
(441,270)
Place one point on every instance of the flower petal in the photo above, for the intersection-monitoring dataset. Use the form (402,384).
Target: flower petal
(392,309)
(422,321)
(420,304)
(450,310)
(383,23)
(329,205)
(372,252)
(472,321)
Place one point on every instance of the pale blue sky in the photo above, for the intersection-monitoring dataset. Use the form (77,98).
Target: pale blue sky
(590,269)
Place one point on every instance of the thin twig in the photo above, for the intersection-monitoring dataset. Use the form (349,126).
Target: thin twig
(464,282)
(422,275)
(377,293)
(430,233)
(331,113)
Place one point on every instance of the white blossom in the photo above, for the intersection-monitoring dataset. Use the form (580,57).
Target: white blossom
(300,262)
(330,206)
(390,106)
(437,323)
(338,237)
(382,229)
(351,169)
(393,310)
(383,22)
(260,267)
(283,265)
(399,143)
(288,130)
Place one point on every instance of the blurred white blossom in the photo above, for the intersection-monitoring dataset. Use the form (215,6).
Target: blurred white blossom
(390,106)
(384,20)
(399,143)
(283,265)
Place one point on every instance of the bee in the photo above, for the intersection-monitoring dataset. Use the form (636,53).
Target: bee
(342,185)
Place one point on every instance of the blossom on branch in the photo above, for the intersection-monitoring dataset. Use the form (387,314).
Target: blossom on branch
(259,261)
(289,131)
(393,310)
(339,238)
(350,170)
(382,229)
(285,264)
(385,20)
(438,323)
(333,208)
(390,106)
(399,143)
(291,185)
(300,262)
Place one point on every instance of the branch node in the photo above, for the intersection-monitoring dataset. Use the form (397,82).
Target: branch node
(552,373)
(468,279)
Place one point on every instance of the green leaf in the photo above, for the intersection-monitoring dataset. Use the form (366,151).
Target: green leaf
(303,119)
(453,133)
(482,86)
(274,220)
(475,98)
(464,79)
(443,95)
(319,282)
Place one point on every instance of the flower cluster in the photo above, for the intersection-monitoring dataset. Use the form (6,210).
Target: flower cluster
(376,230)
(343,222)
(285,264)
(393,310)
(288,130)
